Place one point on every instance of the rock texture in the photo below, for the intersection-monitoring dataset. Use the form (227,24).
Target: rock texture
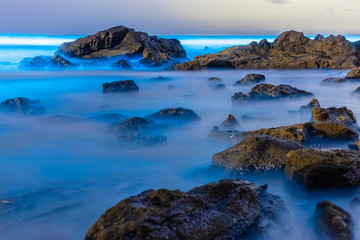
(333,222)
(120,86)
(333,80)
(250,79)
(290,50)
(354,74)
(133,125)
(23,105)
(340,115)
(324,168)
(255,154)
(230,122)
(229,209)
(266,91)
(122,64)
(313,103)
(179,115)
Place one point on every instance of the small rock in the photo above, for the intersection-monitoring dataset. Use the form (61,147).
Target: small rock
(333,80)
(250,79)
(230,122)
(60,62)
(122,64)
(133,125)
(23,105)
(120,86)
(160,79)
(313,103)
(219,86)
(354,74)
(319,37)
(180,115)
(340,115)
(143,139)
(357,91)
(213,80)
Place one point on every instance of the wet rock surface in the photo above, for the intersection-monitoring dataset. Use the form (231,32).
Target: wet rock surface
(354,74)
(230,122)
(134,125)
(290,50)
(313,103)
(255,154)
(120,86)
(265,91)
(333,222)
(251,78)
(179,115)
(229,209)
(333,80)
(323,168)
(23,105)
(340,115)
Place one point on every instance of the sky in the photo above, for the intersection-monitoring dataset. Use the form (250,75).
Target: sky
(237,17)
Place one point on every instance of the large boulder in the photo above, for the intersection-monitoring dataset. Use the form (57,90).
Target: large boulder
(124,42)
(290,50)
(324,168)
(251,78)
(333,222)
(255,154)
(229,209)
(120,86)
(340,115)
(178,115)
(265,91)
(23,105)
(354,74)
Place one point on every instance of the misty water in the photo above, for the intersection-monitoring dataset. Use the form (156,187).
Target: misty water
(58,175)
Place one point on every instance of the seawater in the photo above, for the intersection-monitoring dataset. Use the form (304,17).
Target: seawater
(58,177)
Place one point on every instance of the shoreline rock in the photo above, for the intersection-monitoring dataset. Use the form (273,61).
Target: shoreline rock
(120,86)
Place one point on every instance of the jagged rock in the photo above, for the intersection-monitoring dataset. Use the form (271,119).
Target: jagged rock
(324,168)
(313,103)
(230,122)
(160,79)
(335,115)
(333,222)
(251,79)
(23,105)
(133,125)
(37,63)
(120,86)
(60,62)
(319,37)
(333,80)
(143,139)
(255,154)
(290,50)
(122,64)
(108,117)
(179,115)
(265,91)
(124,42)
(229,209)
(354,74)
(328,130)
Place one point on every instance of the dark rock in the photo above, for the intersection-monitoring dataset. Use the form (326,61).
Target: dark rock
(255,154)
(265,91)
(213,80)
(143,139)
(354,74)
(319,37)
(247,117)
(60,62)
(120,86)
(333,222)
(313,103)
(327,130)
(180,115)
(219,86)
(230,122)
(290,50)
(122,64)
(37,63)
(133,125)
(108,117)
(324,168)
(160,79)
(229,209)
(333,80)
(355,145)
(23,105)
(335,115)
(251,79)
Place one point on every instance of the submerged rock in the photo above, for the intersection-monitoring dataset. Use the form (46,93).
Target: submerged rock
(60,62)
(340,115)
(230,122)
(313,103)
(219,86)
(133,125)
(229,209)
(23,105)
(333,80)
(333,222)
(214,80)
(255,154)
(181,115)
(251,79)
(45,62)
(354,74)
(324,168)
(265,91)
(120,86)
(290,50)
(122,64)
(356,92)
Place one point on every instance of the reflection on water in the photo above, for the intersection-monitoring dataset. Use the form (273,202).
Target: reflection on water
(57,177)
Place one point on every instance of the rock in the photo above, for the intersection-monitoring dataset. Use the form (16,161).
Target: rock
(357,91)
(133,125)
(230,122)
(229,209)
(122,64)
(335,115)
(323,168)
(255,154)
(60,62)
(160,79)
(333,222)
(214,80)
(120,86)
(108,117)
(179,115)
(265,91)
(355,145)
(251,79)
(124,42)
(36,63)
(326,130)
(247,117)
(319,37)
(23,105)
(313,103)
(219,86)
(333,80)
(290,50)
(354,74)
(143,139)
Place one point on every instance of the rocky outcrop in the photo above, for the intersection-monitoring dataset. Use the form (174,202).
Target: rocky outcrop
(313,103)
(230,122)
(23,105)
(45,62)
(177,115)
(60,62)
(255,154)
(133,125)
(340,115)
(124,42)
(250,79)
(354,74)
(229,209)
(266,91)
(324,168)
(120,86)
(290,50)
(332,80)
(333,222)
